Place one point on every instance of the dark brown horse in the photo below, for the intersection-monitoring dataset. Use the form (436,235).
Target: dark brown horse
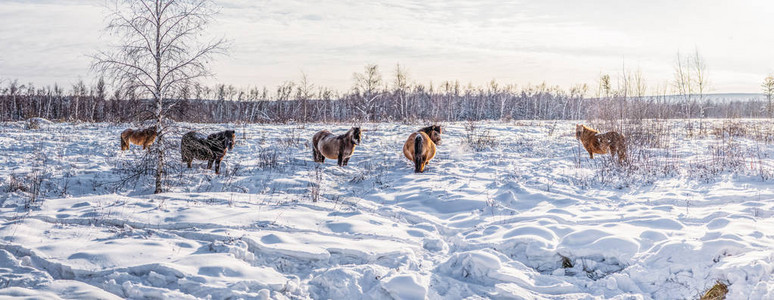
(144,138)
(211,148)
(420,146)
(340,147)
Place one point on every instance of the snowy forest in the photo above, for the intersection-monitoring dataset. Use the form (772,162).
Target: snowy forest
(376,98)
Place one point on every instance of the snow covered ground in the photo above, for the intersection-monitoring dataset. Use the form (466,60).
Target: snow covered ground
(522,214)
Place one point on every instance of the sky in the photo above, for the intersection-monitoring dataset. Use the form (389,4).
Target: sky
(560,43)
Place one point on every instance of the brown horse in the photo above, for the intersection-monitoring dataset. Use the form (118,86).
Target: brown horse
(211,148)
(340,147)
(601,143)
(144,138)
(420,146)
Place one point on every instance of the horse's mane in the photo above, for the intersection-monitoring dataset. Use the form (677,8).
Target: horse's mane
(430,129)
(356,132)
(586,128)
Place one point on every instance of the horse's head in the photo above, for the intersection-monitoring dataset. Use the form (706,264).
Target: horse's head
(578,131)
(230,139)
(355,135)
(434,132)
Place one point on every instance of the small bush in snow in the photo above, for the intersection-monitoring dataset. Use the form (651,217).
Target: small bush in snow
(717,292)
(15,184)
(32,124)
(268,158)
(30,184)
(479,140)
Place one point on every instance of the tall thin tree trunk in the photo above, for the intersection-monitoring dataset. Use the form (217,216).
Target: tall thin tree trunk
(159,104)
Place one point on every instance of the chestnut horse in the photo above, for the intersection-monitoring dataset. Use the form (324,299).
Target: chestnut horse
(420,146)
(211,148)
(144,138)
(340,147)
(601,143)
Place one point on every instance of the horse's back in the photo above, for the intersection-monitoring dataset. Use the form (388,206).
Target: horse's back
(428,147)
(320,135)
(194,145)
(193,135)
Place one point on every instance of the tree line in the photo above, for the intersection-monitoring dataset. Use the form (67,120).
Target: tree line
(370,100)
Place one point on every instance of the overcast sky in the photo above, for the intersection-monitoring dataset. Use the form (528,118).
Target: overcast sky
(518,42)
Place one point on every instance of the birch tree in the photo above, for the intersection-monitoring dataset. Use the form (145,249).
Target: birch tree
(768,90)
(160,51)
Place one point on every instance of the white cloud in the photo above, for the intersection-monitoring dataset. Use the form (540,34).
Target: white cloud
(559,42)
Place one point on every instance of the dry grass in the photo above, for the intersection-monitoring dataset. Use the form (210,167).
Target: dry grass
(268,158)
(479,140)
(32,124)
(566,262)
(717,292)
(315,185)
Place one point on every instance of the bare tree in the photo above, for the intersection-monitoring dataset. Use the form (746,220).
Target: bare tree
(366,85)
(700,78)
(159,53)
(99,95)
(700,83)
(682,83)
(401,86)
(768,90)
(304,92)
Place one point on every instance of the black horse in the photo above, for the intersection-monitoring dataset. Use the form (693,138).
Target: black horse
(211,148)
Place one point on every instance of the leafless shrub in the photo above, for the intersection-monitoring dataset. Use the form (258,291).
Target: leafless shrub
(29,184)
(15,184)
(479,140)
(291,140)
(315,185)
(730,128)
(649,134)
(268,158)
(32,124)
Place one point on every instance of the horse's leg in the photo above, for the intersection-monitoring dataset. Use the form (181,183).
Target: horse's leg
(621,154)
(613,151)
(340,159)
(622,151)
(189,163)
(318,157)
(217,165)
(346,161)
(591,154)
(209,164)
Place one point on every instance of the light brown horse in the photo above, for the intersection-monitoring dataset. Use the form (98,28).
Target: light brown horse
(601,143)
(420,146)
(144,138)
(340,147)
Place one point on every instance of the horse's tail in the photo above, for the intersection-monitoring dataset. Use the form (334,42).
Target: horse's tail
(124,144)
(185,147)
(419,159)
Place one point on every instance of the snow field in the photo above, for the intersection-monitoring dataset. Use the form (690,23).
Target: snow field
(529,216)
